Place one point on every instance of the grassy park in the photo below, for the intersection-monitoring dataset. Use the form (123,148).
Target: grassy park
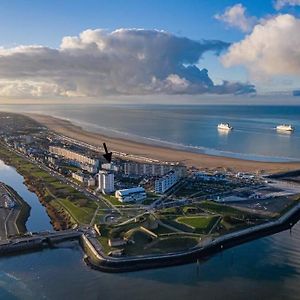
(200,224)
(58,197)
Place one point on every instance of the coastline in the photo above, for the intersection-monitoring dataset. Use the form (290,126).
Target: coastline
(161,153)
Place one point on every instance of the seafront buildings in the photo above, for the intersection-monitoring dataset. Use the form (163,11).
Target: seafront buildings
(131,195)
(139,169)
(83,178)
(165,182)
(106,182)
(76,156)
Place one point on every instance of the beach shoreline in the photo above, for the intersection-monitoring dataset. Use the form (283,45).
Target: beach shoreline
(161,153)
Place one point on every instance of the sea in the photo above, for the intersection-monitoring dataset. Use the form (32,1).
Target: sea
(189,127)
(267,268)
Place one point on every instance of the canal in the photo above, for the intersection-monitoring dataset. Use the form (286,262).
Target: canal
(38,219)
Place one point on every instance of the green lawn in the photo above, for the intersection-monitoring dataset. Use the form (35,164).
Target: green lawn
(219,208)
(162,230)
(201,224)
(172,244)
(112,199)
(82,215)
(55,192)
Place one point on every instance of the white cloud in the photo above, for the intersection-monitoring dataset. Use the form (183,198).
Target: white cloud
(97,62)
(29,89)
(235,16)
(272,48)
(279,4)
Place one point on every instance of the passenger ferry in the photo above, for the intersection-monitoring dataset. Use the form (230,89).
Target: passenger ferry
(225,126)
(284,127)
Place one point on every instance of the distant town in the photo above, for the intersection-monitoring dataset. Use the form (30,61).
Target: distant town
(133,206)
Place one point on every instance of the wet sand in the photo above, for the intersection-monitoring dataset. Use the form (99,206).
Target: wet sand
(202,161)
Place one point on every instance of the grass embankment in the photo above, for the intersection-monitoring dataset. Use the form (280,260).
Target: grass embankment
(113,200)
(64,204)
(145,236)
(219,208)
(232,218)
(294,201)
(200,224)
(201,218)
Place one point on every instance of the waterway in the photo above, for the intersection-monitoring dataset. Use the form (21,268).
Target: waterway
(38,219)
(268,268)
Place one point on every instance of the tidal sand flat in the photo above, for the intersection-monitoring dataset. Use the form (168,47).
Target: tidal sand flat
(198,160)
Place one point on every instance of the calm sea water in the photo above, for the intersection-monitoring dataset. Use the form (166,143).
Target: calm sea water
(191,127)
(268,268)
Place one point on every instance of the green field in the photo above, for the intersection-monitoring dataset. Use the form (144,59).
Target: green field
(81,215)
(219,208)
(201,224)
(59,195)
(172,244)
(112,199)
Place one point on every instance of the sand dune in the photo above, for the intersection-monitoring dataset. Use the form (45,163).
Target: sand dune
(202,161)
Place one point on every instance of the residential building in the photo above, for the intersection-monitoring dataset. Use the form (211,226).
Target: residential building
(91,181)
(109,167)
(106,182)
(136,168)
(79,176)
(73,155)
(131,195)
(165,182)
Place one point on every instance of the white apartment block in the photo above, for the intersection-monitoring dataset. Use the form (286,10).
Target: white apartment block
(165,182)
(135,168)
(72,155)
(106,182)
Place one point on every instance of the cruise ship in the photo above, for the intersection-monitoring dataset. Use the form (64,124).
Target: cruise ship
(225,126)
(284,127)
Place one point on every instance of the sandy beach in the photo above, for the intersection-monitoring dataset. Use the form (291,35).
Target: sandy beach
(202,161)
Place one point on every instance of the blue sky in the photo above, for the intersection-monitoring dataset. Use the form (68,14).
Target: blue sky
(46,22)
(36,22)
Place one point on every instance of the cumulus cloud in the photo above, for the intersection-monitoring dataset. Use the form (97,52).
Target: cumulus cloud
(235,16)
(125,61)
(273,48)
(279,4)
